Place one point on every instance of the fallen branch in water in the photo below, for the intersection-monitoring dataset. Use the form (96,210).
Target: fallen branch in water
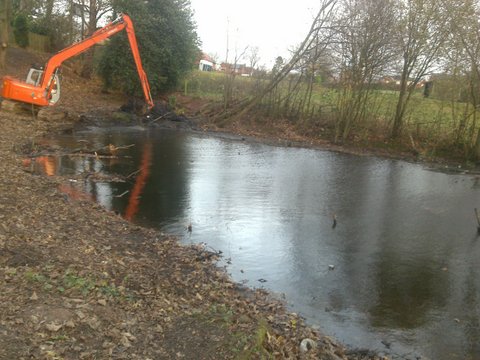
(122,194)
(133,173)
(115,148)
(160,117)
(93,156)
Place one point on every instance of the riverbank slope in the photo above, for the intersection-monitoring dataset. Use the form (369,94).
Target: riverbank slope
(79,282)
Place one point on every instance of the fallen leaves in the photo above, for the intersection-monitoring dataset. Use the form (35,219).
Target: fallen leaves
(53,327)
(84,283)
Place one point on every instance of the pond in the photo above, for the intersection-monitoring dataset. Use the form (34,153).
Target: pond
(398,273)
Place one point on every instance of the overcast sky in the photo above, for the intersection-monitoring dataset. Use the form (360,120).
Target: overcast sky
(274,26)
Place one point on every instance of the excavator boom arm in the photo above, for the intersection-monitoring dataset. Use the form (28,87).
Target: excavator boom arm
(132,39)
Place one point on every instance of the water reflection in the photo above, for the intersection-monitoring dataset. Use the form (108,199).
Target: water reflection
(140,182)
(46,165)
(405,249)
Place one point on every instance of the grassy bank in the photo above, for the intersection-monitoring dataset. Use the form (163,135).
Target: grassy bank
(434,128)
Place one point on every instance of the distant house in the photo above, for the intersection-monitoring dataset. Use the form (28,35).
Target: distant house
(206,63)
(239,69)
(395,81)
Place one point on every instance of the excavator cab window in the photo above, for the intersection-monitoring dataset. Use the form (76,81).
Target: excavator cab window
(34,76)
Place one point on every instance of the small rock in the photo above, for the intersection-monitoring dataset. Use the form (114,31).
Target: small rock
(107,344)
(386,343)
(307,344)
(70,324)
(34,296)
(93,322)
(129,336)
(125,342)
(102,302)
(80,314)
(53,327)
(331,267)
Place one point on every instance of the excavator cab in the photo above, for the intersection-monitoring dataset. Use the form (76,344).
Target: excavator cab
(34,78)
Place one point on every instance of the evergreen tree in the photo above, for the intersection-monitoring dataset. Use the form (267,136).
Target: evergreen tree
(20,30)
(167,42)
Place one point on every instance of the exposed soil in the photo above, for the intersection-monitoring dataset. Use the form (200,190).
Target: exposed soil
(80,282)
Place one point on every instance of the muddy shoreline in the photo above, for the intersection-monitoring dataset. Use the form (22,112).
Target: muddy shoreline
(78,281)
(205,127)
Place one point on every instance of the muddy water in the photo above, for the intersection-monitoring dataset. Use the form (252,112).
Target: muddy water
(399,273)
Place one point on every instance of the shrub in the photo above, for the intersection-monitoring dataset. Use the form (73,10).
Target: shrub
(20,30)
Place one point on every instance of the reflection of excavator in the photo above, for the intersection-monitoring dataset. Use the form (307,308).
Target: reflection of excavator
(42,86)
(140,182)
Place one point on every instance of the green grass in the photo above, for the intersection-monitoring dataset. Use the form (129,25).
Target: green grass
(382,103)
(71,280)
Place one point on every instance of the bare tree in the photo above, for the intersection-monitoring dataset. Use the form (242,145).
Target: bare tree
(464,40)
(231,72)
(96,9)
(49,10)
(363,47)
(421,30)
(5,11)
(318,32)
(253,58)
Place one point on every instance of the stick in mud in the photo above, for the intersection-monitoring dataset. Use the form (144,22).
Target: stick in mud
(478,221)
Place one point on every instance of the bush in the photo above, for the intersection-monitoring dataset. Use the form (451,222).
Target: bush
(20,30)
(167,42)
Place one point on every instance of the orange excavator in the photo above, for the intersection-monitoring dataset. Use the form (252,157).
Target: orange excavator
(42,87)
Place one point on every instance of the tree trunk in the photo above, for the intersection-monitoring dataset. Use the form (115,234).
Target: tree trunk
(70,21)
(87,68)
(477,147)
(4,21)
(401,104)
(49,11)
